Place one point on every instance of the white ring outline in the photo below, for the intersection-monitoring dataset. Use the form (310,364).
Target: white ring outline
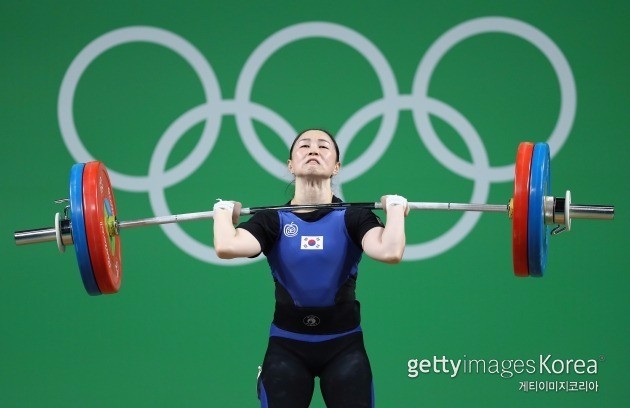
(157,194)
(455,35)
(158,36)
(304,31)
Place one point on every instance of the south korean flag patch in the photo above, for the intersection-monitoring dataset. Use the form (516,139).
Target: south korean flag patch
(311,242)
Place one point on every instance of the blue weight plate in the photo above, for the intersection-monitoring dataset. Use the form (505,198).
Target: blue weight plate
(537,232)
(78,230)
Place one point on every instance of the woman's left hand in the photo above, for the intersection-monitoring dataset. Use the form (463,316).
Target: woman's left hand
(388,201)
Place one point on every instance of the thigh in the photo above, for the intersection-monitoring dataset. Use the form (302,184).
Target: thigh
(285,380)
(346,381)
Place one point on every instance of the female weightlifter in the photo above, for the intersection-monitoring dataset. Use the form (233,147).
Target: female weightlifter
(314,257)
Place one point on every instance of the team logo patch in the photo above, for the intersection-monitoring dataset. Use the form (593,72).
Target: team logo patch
(290,230)
(312,242)
(311,320)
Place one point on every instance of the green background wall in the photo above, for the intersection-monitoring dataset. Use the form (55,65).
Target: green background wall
(184,331)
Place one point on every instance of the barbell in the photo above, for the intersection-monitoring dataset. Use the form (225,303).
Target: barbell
(93,228)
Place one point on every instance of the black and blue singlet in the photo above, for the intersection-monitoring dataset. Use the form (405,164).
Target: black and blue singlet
(316,330)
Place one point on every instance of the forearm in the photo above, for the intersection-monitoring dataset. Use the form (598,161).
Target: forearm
(393,235)
(230,242)
(224,233)
(387,244)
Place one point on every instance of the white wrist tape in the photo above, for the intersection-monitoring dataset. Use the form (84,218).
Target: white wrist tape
(223,205)
(393,200)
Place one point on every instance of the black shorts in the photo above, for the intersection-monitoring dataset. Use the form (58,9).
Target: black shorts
(290,367)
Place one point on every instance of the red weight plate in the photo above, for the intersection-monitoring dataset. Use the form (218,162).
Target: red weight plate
(99,212)
(521,204)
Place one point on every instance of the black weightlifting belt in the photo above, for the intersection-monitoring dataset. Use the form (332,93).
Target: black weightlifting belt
(343,316)
(339,318)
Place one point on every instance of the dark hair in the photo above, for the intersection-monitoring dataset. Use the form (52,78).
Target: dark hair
(320,130)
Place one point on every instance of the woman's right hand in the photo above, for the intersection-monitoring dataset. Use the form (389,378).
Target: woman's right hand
(233,206)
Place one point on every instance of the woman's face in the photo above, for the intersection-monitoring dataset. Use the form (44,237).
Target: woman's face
(314,155)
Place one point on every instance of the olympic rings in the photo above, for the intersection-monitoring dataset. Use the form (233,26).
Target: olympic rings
(388,106)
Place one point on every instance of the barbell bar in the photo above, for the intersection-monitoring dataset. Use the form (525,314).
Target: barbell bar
(49,234)
(94,229)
